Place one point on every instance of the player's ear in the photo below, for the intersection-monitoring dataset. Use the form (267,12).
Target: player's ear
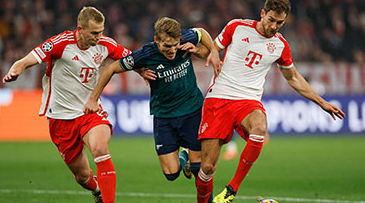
(262,13)
(155,38)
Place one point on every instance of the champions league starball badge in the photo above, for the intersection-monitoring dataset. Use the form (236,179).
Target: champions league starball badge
(47,46)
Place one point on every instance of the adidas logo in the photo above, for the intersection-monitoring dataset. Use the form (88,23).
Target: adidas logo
(160,67)
(75,58)
(246,40)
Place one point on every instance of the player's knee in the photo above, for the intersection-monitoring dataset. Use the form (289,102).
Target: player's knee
(259,129)
(195,167)
(172,177)
(99,150)
(82,177)
(208,168)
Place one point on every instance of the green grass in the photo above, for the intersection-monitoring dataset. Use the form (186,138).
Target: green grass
(306,169)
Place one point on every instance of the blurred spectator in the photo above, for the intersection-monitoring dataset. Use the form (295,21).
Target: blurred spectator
(319,30)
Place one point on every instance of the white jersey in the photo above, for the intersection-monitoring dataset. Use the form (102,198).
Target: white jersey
(71,73)
(247,60)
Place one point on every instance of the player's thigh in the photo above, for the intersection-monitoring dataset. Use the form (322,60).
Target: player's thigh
(255,122)
(170,162)
(97,139)
(211,149)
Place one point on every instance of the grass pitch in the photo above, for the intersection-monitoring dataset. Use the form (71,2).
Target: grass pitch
(289,169)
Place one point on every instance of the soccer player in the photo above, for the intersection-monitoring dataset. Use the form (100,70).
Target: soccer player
(73,60)
(233,99)
(175,100)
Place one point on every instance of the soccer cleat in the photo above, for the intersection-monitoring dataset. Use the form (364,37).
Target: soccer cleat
(187,172)
(97,195)
(226,196)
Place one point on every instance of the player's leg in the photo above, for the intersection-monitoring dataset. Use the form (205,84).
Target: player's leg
(84,175)
(255,125)
(65,135)
(97,140)
(209,159)
(167,147)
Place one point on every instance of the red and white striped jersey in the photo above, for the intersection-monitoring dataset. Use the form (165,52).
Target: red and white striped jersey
(72,72)
(247,60)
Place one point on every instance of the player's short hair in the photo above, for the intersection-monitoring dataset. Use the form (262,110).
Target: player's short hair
(278,6)
(167,27)
(89,13)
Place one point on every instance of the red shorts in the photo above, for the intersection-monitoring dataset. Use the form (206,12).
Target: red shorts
(67,134)
(221,116)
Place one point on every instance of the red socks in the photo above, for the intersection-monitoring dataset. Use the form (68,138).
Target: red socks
(106,177)
(248,157)
(90,184)
(204,187)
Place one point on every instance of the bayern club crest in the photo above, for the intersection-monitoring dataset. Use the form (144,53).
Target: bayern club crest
(98,58)
(270,47)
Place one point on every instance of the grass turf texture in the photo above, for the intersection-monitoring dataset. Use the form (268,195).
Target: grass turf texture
(301,168)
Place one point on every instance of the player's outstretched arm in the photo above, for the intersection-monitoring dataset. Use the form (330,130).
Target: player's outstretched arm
(18,67)
(299,84)
(91,105)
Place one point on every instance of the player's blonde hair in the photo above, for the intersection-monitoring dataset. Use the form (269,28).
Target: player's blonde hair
(88,13)
(278,6)
(167,27)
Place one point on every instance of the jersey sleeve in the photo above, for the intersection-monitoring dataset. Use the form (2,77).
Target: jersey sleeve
(190,35)
(285,60)
(52,48)
(116,51)
(137,59)
(225,37)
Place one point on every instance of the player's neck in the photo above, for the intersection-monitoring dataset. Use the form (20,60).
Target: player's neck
(260,28)
(80,43)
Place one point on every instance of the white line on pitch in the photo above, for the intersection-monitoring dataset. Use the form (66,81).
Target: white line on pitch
(136,194)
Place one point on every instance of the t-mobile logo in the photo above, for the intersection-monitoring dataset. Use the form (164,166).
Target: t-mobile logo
(86,74)
(253,57)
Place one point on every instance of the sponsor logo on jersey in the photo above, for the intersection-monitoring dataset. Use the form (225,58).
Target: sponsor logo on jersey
(75,58)
(98,58)
(47,46)
(270,47)
(40,52)
(128,62)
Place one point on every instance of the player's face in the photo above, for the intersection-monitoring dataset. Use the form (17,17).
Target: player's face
(91,34)
(168,46)
(271,22)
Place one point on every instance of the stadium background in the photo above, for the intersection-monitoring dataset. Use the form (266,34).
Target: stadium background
(327,40)
(309,159)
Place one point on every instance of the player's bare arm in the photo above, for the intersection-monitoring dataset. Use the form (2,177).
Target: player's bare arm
(299,84)
(18,68)
(214,59)
(91,105)
(213,56)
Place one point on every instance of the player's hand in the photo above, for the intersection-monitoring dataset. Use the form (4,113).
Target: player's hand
(91,107)
(12,75)
(333,110)
(189,47)
(148,74)
(214,59)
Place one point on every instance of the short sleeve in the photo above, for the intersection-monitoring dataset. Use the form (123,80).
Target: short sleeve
(285,60)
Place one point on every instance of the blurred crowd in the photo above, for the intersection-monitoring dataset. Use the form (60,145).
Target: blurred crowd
(317,30)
